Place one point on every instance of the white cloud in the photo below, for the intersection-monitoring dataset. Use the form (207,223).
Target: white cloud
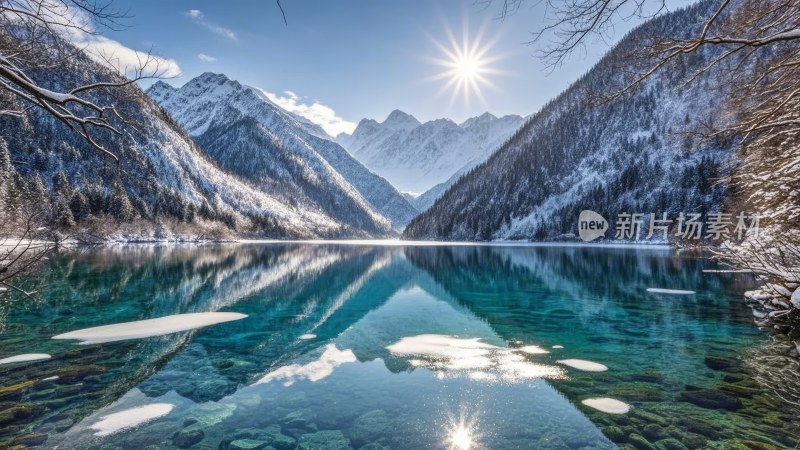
(206,58)
(314,111)
(125,59)
(112,53)
(199,18)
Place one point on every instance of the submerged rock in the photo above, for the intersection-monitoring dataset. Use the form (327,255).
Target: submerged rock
(30,440)
(69,375)
(298,422)
(671,444)
(720,363)
(15,391)
(369,426)
(639,442)
(710,399)
(188,436)
(637,392)
(324,440)
(19,413)
(247,444)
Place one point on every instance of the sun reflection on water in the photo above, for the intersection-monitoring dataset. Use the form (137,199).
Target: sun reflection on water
(461,438)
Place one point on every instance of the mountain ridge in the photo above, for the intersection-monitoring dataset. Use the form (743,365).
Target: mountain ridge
(560,162)
(415,156)
(249,135)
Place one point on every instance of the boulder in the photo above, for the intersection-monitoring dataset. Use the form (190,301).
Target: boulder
(711,399)
(369,427)
(324,440)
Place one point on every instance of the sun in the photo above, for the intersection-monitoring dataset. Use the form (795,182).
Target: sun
(467,64)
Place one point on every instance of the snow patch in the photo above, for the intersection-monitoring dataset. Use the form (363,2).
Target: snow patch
(149,327)
(470,357)
(669,291)
(533,350)
(27,357)
(130,418)
(607,405)
(582,364)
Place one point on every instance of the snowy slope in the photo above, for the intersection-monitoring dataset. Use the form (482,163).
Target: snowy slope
(416,156)
(162,173)
(630,155)
(248,135)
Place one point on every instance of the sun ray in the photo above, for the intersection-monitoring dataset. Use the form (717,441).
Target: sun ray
(466,64)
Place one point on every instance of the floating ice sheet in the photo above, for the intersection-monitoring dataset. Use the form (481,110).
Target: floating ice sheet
(27,357)
(607,405)
(582,364)
(533,350)
(316,370)
(150,327)
(130,418)
(450,355)
(669,291)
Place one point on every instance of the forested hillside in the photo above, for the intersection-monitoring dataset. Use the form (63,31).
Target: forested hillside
(633,154)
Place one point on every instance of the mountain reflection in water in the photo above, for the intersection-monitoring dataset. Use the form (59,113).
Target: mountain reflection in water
(349,346)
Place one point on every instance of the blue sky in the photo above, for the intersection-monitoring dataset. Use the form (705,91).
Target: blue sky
(339,62)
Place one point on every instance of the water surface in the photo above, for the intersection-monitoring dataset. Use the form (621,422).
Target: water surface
(403,347)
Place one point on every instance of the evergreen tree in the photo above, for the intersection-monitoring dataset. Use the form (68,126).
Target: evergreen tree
(79,205)
(119,205)
(61,185)
(5,162)
(62,214)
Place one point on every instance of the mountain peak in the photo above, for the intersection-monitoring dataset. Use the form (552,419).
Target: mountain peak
(160,91)
(483,118)
(211,77)
(400,119)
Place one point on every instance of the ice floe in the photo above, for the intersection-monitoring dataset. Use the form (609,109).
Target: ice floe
(669,291)
(470,357)
(305,337)
(129,418)
(582,364)
(607,405)
(149,327)
(316,370)
(558,347)
(27,357)
(53,378)
(533,350)
(727,271)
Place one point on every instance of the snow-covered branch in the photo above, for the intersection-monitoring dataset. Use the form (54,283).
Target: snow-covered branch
(33,35)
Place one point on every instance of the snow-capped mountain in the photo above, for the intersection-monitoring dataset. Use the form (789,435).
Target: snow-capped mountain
(629,155)
(247,134)
(416,156)
(163,183)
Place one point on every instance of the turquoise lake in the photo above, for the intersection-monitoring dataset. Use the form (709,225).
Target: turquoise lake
(339,346)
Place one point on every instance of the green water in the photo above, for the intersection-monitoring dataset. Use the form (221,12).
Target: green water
(402,347)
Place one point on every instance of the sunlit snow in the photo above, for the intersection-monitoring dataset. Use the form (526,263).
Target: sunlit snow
(149,327)
(607,405)
(582,364)
(129,418)
(27,357)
